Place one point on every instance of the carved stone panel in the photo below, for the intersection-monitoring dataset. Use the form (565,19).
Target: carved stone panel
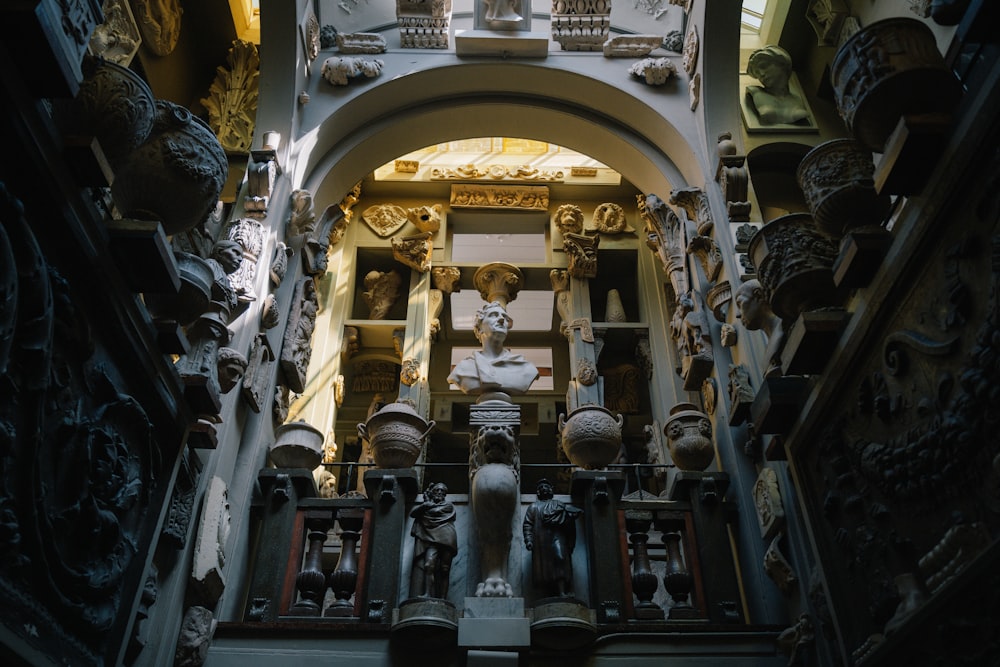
(232,98)
(209,559)
(160,23)
(767,501)
(258,374)
(528,197)
(384,219)
(296,348)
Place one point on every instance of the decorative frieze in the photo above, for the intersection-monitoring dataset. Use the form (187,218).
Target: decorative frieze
(581,25)
(373,375)
(423,24)
(527,197)
(360,42)
(496,172)
(630,46)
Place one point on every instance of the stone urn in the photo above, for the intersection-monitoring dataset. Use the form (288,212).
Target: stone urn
(886,70)
(396,434)
(689,438)
(591,436)
(837,178)
(297,445)
(175,177)
(794,264)
(115,105)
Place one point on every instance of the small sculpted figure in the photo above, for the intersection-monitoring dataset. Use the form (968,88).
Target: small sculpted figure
(494,369)
(503,11)
(436,543)
(225,260)
(773,100)
(550,534)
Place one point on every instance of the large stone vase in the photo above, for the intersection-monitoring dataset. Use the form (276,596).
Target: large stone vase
(886,70)
(116,106)
(689,438)
(396,434)
(591,436)
(794,262)
(297,445)
(837,178)
(175,177)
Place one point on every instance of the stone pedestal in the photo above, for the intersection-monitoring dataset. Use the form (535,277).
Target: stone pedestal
(494,623)
(777,404)
(562,624)
(425,622)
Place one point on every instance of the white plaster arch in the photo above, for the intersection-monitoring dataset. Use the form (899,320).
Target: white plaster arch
(629,134)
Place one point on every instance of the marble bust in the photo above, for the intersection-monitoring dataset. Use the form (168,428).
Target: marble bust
(494,371)
(755,313)
(773,101)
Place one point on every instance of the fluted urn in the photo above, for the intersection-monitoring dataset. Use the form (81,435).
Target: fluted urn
(115,105)
(689,437)
(837,178)
(794,262)
(591,436)
(886,70)
(396,434)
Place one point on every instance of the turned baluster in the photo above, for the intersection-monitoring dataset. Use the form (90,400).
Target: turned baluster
(311,582)
(677,579)
(344,578)
(644,581)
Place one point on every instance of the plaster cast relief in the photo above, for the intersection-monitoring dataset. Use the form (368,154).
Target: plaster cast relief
(375,375)
(779,569)
(209,559)
(117,39)
(296,348)
(414,251)
(609,218)
(195,637)
(621,388)
(232,98)
(531,197)
(423,25)
(339,70)
(361,42)
(250,235)
(425,218)
(767,500)
(690,330)
(631,46)
(384,219)
(741,394)
(312,31)
(279,262)
(666,236)
(727,335)
(409,373)
(582,252)
(406,166)
(568,219)
(654,71)
(690,53)
(270,314)
(258,373)
(446,278)
(381,293)
(581,25)
(160,23)
(495,172)
(694,90)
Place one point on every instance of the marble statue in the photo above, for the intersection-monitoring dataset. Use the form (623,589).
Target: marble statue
(772,101)
(503,11)
(494,369)
(755,313)
(436,543)
(550,535)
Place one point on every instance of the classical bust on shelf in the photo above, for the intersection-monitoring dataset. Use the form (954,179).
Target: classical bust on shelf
(773,101)
(494,371)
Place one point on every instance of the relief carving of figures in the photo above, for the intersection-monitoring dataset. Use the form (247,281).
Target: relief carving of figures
(495,172)
(250,236)
(568,219)
(582,252)
(296,348)
(436,543)
(331,228)
(425,218)
(374,375)
(414,251)
(741,394)
(549,530)
(160,23)
(258,372)
(531,197)
(667,237)
(279,263)
(690,330)
(338,70)
(621,388)
(382,292)
(117,39)
(232,98)
(767,500)
(302,217)
(361,42)
(384,219)
(609,218)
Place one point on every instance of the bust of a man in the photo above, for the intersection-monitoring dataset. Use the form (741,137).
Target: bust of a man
(755,313)
(493,371)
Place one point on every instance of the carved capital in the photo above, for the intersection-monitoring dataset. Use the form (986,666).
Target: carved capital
(414,251)
(498,281)
(446,278)
(582,252)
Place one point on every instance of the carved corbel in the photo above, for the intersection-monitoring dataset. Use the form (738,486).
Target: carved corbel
(667,237)
(260,183)
(709,256)
(498,281)
(582,252)
(447,278)
(414,251)
(718,298)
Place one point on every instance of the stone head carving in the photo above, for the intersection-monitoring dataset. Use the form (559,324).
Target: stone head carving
(568,218)
(492,319)
(229,255)
(754,310)
(231,367)
(773,100)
